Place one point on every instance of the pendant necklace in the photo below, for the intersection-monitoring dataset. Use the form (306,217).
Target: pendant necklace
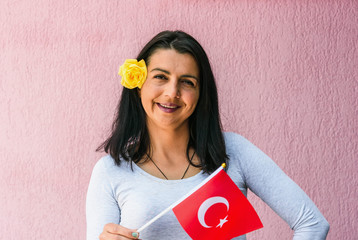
(162,171)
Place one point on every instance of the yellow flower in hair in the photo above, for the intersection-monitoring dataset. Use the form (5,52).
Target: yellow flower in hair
(133,73)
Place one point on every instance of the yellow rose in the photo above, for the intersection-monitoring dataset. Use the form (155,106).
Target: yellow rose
(133,73)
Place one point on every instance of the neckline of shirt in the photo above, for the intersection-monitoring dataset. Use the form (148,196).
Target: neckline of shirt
(161,180)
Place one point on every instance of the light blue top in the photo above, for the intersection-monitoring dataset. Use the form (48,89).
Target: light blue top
(118,194)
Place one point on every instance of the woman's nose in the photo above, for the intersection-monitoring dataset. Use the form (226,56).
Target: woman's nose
(172,90)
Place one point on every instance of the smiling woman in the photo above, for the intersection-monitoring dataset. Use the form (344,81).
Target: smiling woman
(167,139)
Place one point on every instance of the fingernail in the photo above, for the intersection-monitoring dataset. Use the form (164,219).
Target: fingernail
(135,234)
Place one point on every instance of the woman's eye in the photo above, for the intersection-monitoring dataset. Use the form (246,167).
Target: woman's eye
(162,77)
(189,83)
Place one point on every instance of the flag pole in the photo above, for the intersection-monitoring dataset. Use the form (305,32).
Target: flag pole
(181,199)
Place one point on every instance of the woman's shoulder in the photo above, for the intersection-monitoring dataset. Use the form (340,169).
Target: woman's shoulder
(232,136)
(236,146)
(105,162)
(240,145)
(108,166)
(240,149)
(234,141)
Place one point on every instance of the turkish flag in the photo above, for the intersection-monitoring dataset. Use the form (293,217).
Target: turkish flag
(217,210)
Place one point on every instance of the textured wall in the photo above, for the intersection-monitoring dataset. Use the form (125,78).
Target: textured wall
(287,78)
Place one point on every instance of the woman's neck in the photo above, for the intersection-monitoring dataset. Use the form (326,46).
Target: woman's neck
(168,152)
(169,143)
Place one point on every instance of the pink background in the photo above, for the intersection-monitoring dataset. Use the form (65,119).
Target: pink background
(287,78)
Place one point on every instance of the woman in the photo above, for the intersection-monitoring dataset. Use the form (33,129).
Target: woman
(167,138)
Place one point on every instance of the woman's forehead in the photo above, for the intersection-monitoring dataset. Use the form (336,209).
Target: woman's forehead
(171,60)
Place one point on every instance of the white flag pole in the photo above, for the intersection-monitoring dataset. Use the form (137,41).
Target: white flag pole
(181,199)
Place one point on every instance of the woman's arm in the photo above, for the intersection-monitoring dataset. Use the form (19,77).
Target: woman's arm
(263,177)
(101,204)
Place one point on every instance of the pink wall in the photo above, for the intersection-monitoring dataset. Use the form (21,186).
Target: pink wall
(287,78)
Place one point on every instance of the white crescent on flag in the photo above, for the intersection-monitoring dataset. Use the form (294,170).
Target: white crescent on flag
(206,205)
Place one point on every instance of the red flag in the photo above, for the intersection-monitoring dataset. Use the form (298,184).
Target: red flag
(217,210)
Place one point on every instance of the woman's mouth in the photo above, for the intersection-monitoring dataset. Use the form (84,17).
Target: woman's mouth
(168,107)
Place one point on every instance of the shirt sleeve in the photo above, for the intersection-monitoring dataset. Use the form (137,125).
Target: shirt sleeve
(101,203)
(264,178)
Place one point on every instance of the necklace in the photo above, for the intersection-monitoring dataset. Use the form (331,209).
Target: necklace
(162,171)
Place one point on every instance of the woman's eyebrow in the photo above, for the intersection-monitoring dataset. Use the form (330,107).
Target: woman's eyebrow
(167,72)
(161,70)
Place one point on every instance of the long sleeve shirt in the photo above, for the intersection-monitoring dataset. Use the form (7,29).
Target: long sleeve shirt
(129,196)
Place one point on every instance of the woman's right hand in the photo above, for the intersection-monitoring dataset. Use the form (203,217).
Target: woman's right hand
(113,231)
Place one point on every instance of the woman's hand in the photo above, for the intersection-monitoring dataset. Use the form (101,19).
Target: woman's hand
(113,231)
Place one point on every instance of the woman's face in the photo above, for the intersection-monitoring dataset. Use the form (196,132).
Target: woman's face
(171,91)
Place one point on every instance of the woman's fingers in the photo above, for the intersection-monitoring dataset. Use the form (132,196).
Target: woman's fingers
(113,231)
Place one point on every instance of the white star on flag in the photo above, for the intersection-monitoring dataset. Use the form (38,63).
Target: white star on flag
(222,221)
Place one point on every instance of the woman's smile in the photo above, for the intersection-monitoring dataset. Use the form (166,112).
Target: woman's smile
(168,107)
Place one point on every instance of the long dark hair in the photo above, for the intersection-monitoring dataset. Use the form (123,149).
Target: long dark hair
(129,139)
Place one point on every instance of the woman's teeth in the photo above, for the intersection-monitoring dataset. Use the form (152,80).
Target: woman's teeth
(166,106)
